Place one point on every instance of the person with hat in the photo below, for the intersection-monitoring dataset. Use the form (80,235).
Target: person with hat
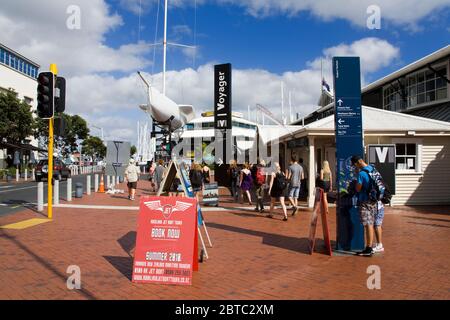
(132,173)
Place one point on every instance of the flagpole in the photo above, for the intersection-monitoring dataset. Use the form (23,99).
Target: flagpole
(321,82)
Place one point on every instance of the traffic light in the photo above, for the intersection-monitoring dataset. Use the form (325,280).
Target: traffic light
(46,84)
(60,94)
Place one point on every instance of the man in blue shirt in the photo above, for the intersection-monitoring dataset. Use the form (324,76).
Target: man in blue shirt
(367,207)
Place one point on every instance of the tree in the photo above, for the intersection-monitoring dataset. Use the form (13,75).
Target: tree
(94,147)
(75,129)
(133,150)
(16,118)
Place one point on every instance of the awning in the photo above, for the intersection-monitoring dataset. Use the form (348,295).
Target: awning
(21,146)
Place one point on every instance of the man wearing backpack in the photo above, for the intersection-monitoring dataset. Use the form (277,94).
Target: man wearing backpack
(367,206)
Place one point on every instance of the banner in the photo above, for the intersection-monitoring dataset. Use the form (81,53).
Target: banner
(382,156)
(349,142)
(166,241)
(222,96)
(211,194)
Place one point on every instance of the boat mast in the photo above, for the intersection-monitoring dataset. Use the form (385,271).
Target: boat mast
(165,47)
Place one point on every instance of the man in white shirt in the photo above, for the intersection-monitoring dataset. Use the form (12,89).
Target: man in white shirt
(132,173)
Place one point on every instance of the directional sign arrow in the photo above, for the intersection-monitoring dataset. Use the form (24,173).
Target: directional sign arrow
(340,102)
(340,121)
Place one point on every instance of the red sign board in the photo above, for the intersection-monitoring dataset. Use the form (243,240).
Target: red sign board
(320,206)
(166,246)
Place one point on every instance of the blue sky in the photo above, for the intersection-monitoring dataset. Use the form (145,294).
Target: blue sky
(268,43)
(278,43)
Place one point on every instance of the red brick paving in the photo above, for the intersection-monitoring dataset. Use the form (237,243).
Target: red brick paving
(253,257)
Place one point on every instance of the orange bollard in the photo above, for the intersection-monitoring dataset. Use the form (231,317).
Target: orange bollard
(102,185)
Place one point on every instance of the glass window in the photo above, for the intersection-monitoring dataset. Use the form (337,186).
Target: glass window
(429,74)
(406,157)
(431,96)
(441,94)
(431,85)
(420,77)
(421,87)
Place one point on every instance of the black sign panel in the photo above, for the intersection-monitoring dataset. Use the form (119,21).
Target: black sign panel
(382,157)
(222,96)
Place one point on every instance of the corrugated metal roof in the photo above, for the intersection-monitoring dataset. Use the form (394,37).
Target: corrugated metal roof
(441,112)
(378,120)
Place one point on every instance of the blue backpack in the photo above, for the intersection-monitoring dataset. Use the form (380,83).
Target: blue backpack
(377,190)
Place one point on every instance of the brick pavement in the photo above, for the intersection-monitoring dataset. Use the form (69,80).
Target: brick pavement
(253,257)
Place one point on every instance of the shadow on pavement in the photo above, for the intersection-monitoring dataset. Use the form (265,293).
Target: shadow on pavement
(300,245)
(122,264)
(425,218)
(429,224)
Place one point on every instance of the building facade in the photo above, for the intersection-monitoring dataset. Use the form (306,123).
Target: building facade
(18,74)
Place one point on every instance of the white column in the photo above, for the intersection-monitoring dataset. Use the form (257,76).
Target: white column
(113,181)
(311,173)
(88,185)
(108,182)
(69,189)
(56,192)
(40,196)
(17,175)
(26,174)
(32,175)
(96,182)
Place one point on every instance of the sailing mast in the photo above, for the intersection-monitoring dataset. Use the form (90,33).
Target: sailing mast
(165,48)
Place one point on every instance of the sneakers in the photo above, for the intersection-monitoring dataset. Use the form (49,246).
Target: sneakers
(378,248)
(285,219)
(294,210)
(367,252)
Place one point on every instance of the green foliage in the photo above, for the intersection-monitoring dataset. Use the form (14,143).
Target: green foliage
(16,118)
(133,150)
(94,147)
(75,129)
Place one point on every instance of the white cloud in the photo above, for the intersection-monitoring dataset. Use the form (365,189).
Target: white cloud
(250,86)
(399,12)
(38,29)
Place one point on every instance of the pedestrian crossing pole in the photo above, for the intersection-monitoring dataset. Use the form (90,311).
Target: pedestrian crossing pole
(54,70)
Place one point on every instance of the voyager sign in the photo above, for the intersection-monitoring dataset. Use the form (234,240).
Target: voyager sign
(222,96)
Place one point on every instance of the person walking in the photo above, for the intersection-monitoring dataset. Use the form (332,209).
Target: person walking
(159,174)
(325,180)
(379,216)
(246,182)
(367,207)
(260,185)
(132,173)
(304,182)
(151,173)
(234,174)
(295,176)
(206,174)
(196,177)
(277,189)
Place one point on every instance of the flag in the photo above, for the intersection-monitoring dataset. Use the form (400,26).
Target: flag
(325,84)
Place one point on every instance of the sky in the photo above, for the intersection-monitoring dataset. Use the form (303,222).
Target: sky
(268,42)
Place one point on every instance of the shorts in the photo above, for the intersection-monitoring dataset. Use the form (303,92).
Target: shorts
(132,185)
(367,212)
(379,216)
(294,192)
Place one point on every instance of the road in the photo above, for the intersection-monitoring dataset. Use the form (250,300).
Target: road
(14,197)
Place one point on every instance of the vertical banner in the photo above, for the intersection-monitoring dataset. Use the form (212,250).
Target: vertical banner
(165,243)
(382,157)
(222,96)
(222,120)
(349,142)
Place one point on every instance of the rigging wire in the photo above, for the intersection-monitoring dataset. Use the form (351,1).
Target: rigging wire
(156,39)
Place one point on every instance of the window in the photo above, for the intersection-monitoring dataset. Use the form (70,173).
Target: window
(406,156)
(2,56)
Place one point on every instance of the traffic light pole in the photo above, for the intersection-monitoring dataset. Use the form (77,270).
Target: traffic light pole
(54,70)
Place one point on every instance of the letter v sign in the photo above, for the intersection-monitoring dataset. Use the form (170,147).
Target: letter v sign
(382,154)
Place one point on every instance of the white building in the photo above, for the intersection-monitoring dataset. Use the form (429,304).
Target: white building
(425,142)
(18,74)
